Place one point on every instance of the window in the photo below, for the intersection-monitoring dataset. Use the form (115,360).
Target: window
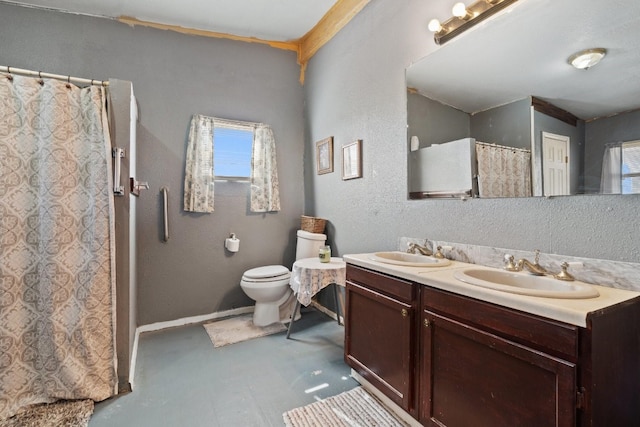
(630,167)
(232,152)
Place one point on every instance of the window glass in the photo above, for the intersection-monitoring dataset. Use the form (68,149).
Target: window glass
(232,152)
(631,167)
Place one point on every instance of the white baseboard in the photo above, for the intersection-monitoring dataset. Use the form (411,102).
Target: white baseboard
(158,326)
(391,405)
(321,308)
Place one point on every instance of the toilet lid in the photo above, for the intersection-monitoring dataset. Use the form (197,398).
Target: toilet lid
(266,272)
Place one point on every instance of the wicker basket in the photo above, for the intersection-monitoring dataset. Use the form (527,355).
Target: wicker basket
(312,224)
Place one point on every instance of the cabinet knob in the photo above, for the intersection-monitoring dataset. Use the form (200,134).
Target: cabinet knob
(427,323)
(404,312)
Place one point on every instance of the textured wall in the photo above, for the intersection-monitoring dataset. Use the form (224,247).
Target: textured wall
(175,76)
(508,125)
(355,89)
(435,123)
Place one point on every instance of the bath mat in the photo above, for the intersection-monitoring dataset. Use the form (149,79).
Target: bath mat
(353,408)
(63,413)
(237,329)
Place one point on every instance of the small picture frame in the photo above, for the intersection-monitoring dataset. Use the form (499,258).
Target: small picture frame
(324,156)
(352,160)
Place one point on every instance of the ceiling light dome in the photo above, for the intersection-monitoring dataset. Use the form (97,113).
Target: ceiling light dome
(586,59)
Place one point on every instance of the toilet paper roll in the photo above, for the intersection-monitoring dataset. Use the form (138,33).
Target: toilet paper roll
(415,143)
(232,244)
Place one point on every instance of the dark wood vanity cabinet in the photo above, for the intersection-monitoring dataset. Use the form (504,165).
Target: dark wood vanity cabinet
(456,361)
(486,366)
(380,329)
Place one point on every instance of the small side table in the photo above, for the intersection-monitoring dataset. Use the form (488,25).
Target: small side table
(309,276)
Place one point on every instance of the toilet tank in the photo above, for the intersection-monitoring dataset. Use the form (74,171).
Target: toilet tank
(308,244)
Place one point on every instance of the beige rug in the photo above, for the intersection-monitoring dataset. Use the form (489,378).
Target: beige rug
(63,413)
(237,329)
(353,408)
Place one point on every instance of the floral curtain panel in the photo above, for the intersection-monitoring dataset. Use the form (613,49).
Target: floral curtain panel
(57,272)
(503,171)
(265,191)
(199,174)
(199,168)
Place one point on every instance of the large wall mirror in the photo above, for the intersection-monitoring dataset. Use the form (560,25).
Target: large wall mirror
(506,86)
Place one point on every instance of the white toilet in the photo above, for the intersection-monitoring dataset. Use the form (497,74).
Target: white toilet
(269,285)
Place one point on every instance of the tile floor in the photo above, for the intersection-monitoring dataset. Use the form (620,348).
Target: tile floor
(182,380)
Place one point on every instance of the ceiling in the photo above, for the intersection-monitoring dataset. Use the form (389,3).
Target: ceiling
(277,20)
(523,51)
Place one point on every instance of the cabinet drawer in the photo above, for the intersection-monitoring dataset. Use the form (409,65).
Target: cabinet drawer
(391,286)
(552,337)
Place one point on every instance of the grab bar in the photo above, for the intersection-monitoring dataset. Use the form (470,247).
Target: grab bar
(118,154)
(165,209)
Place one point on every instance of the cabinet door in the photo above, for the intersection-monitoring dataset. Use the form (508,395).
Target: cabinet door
(473,378)
(378,344)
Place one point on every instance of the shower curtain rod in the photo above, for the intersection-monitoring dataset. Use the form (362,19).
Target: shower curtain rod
(68,79)
(503,147)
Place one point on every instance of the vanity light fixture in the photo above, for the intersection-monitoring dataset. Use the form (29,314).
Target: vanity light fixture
(465,17)
(587,58)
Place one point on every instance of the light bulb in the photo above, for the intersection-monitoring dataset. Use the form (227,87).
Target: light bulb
(435,26)
(460,10)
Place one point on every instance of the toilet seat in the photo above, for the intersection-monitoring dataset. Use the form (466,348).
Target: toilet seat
(269,273)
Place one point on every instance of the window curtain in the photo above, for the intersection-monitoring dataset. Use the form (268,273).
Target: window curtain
(199,174)
(265,191)
(57,247)
(610,181)
(503,171)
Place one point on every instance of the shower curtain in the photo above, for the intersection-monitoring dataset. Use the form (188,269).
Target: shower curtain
(503,171)
(57,275)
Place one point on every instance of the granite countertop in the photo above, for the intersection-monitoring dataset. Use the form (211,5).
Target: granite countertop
(572,311)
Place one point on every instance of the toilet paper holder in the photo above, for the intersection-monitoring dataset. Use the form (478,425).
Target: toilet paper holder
(232,243)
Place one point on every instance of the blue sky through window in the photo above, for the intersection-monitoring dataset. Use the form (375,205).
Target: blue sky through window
(232,152)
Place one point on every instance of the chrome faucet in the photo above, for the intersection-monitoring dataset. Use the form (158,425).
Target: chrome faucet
(533,267)
(414,247)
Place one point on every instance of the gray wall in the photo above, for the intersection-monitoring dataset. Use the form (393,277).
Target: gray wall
(508,125)
(620,128)
(355,89)
(433,122)
(175,76)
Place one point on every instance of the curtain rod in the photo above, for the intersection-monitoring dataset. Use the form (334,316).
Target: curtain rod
(68,79)
(230,122)
(504,147)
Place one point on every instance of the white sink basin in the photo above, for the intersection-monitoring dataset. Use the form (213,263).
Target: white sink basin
(525,284)
(408,260)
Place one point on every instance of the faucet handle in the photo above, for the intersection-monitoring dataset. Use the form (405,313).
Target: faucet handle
(564,275)
(509,263)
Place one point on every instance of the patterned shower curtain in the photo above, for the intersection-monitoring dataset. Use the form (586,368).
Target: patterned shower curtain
(57,275)
(503,171)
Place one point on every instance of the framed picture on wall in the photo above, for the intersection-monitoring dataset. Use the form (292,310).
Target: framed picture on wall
(324,156)
(352,160)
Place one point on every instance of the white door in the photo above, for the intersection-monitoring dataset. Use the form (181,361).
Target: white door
(555,164)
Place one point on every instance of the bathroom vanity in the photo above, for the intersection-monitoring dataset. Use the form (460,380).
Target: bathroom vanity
(453,354)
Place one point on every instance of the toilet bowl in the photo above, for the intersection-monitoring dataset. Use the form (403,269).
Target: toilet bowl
(269,286)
